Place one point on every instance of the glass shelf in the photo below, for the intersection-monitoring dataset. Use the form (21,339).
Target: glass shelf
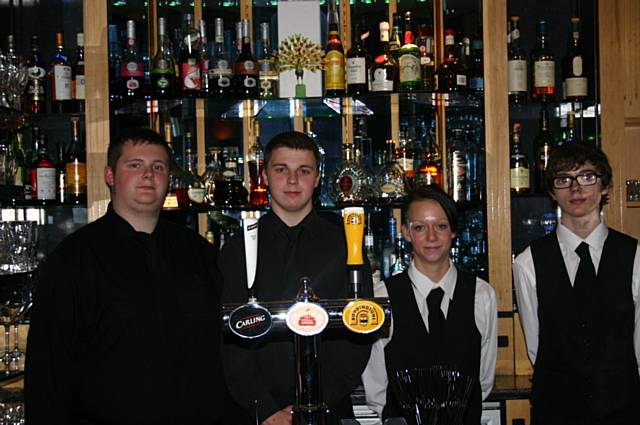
(147,106)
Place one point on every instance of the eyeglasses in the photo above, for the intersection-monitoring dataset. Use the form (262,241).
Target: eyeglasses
(588,178)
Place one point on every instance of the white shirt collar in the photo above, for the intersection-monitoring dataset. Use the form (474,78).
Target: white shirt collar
(595,239)
(424,285)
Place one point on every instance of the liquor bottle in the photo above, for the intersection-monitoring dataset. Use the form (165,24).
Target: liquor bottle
(390,181)
(175,171)
(395,42)
(131,67)
(347,181)
(357,63)
(19,159)
(190,76)
(370,252)
(267,64)
(517,61)
(60,78)
(220,72)
(404,155)
(384,71)
(544,66)
(76,167)
(399,265)
(205,60)
(570,134)
(457,167)
(543,144)
(476,68)
(61,175)
(334,56)
(409,61)
(212,174)
(429,171)
(321,192)
(36,86)
(115,60)
(389,251)
(451,77)
(230,192)
(427,62)
(245,68)
(574,79)
(258,196)
(163,78)
(192,190)
(43,175)
(519,164)
(78,83)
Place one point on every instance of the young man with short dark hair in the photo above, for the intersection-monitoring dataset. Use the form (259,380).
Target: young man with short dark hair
(578,292)
(442,315)
(124,328)
(293,242)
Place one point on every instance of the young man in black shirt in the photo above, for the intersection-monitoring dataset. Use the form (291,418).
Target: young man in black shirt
(124,327)
(293,242)
(578,292)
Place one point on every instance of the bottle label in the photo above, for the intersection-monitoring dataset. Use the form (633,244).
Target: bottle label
(46,183)
(449,40)
(576,66)
(132,84)
(334,70)
(79,87)
(458,176)
(62,82)
(222,80)
(170,202)
(425,60)
(162,82)
(356,71)
(35,87)
(131,69)
(76,177)
(461,80)
(406,164)
(249,82)
(517,76)
(409,68)
(519,178)
(476,83)
(246,68)
(544,74)
(191,76)
(388,188)
(380,81)
(196,194)
(576,87)
(346,184)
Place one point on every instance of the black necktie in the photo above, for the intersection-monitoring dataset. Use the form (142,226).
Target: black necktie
(586,275)
(436,318)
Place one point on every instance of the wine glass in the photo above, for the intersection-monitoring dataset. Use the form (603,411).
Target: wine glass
(26,295)
(11,308)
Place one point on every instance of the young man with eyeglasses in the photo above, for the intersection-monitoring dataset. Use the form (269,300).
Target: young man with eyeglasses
(442,315)
(578,292)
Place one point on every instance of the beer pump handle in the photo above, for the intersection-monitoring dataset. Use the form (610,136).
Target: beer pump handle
(353,219)
(250,230)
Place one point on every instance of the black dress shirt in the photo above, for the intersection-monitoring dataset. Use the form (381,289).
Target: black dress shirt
(125,329)
(263,370)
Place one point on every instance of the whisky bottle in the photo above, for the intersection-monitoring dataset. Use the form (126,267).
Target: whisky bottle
(519,164)
(212,174)
(517,61)
(245,68)
(395,42)
(220,72)
(61,175)
(357,63)
(451,77)
(189,64)
(573,72)
(409,61)
(78,82)
(175,171)
(348,180)
(384,71)
(427,62)
(457,167)
(429,170)
(192,185)
(544,66)
(43,175)
(267,64)
(390,181)
(230,192)
(131,67)
(543,144)
(205,60)
(334,80)
(162,67)
(258,195)
(36,74)
(60,78)
(76,167)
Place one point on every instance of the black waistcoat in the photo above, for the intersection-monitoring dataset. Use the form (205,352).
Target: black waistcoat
(410,346)
(586,370)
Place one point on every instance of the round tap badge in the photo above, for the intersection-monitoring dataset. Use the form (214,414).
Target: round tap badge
(362,316)
(306,319)
(250,321)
